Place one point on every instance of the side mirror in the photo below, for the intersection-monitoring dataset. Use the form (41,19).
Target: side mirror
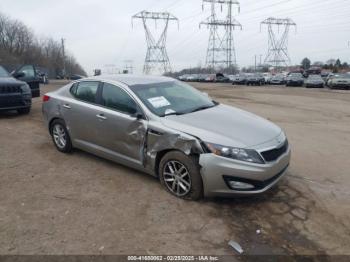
(19,75)
(138,116)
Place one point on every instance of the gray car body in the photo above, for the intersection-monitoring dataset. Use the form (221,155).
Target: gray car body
(140,143)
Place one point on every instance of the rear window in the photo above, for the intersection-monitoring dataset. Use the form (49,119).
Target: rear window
(85,91)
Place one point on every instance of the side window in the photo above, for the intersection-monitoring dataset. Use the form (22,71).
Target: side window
(115,98)
(28,70)
(86,91)
(73,89)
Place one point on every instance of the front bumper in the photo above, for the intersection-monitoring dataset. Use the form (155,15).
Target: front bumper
(13,102)
(215,171)
(314,85)
(295,83)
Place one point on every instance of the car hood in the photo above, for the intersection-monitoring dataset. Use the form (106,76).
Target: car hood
(6,81)
(225,125)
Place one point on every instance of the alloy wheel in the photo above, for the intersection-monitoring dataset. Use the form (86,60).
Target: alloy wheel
(59,135)
(177,178)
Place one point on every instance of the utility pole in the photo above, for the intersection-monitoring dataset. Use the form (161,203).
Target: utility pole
(129,68)
(277,54)
(157,56)
(64,57)
(255,63)
(221,51)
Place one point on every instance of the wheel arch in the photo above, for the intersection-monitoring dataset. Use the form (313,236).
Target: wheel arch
(162,153)
(52,120)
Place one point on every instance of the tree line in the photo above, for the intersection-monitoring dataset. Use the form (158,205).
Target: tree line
(334,65)
(19,45)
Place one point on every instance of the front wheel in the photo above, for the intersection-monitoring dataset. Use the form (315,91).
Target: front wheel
(180,175)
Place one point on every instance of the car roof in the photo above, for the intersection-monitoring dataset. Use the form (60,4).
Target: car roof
(132,80)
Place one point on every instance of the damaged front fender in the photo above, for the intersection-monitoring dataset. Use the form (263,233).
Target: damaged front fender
(157,142)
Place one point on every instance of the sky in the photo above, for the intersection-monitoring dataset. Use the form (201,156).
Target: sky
(99,33)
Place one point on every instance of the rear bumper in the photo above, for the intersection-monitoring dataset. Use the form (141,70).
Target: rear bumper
(216,171)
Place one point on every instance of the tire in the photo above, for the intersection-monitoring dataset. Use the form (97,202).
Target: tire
(24,111)
(57,127)
(194,184)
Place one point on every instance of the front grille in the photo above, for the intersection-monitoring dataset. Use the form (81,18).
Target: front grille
(274,154)
(10,89)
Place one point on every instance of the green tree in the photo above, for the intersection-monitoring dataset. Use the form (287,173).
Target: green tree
(338,63)
(306,63)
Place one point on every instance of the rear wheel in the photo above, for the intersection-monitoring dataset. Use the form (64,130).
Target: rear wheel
(180,175)
(60,136)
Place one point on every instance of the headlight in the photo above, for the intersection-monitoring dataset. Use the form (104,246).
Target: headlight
(246,155)
(26,89)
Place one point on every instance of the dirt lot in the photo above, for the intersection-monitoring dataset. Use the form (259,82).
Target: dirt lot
(51,203)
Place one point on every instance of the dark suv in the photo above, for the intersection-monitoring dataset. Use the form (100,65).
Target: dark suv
(14,94)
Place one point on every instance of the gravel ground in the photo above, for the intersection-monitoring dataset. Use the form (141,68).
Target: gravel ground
(52,203)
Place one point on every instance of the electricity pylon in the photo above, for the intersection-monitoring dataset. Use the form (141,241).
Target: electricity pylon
(157,57)
(221,50)
(277,54)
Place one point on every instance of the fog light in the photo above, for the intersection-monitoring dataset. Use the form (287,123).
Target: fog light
(240,185)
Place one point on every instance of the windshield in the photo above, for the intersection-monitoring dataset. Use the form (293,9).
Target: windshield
(3,72)
(172,98)
(295,75)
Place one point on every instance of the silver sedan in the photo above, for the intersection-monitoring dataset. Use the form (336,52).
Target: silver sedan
(168,129)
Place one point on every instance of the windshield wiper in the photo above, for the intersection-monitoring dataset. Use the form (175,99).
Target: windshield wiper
(172,114)
(202,108)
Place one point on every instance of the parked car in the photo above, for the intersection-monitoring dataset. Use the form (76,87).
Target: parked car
(240,79)
(295,79)
(14,94)
(255,79)
(210,78)
(28,74)
(221,78)
(166,128)
(339,81)
(278,80)
(202,77)
(267,77)
(76,77)
(314,81)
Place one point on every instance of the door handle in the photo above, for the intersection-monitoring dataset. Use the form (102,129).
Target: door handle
(67,106)
(101,116)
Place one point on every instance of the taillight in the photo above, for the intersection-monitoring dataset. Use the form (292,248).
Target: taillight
(46,98)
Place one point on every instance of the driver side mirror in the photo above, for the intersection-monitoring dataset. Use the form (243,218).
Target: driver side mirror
(19,74)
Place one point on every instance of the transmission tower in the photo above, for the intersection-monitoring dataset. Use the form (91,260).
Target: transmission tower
(157,57)
(221,51)
(277,54)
